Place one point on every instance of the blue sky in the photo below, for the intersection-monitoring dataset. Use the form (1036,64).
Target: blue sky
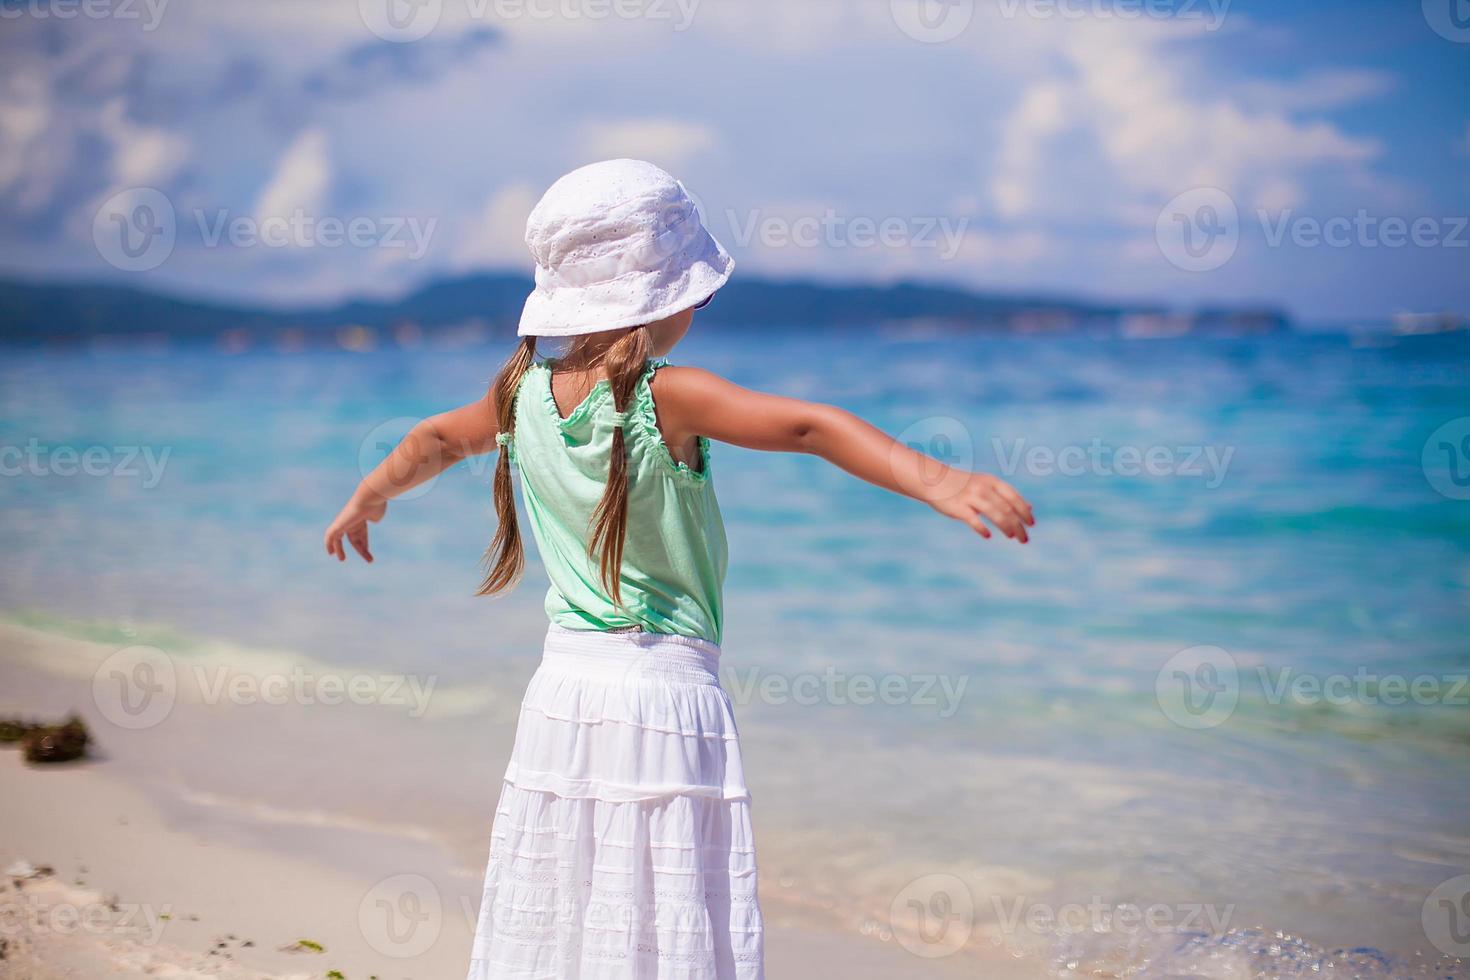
(1057,146)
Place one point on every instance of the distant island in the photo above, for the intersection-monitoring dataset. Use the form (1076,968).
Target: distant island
(487,306)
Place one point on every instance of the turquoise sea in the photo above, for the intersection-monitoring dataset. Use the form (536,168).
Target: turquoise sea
(1228,674)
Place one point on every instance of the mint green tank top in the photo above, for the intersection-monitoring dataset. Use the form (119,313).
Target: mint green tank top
(675,553)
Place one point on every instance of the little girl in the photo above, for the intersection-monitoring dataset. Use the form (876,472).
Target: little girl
(622,845)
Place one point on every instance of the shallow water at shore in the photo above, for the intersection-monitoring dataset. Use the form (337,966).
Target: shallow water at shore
(919,707)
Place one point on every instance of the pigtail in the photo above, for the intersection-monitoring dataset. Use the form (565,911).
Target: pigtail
(505,560)
(625,360)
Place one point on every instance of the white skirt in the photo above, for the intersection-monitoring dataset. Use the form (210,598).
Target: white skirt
(622,845)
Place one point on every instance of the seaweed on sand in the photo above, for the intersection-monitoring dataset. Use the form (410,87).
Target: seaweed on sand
(56,743)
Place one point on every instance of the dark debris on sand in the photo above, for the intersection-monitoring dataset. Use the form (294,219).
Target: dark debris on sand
(42,744)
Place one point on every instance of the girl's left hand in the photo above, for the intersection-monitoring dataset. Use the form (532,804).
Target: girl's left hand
(353,523)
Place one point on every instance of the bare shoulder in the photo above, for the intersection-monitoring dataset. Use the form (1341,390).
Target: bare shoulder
(686,385)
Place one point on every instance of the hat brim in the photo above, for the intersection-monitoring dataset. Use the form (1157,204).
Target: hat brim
(630,300)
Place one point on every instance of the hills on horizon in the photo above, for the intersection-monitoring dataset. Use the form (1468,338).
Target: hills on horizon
(489,304)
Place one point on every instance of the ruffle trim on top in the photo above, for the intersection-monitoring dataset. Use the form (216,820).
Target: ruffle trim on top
(647,415)
(642,414)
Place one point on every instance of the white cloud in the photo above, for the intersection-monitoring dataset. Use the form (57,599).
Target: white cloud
(1277,194)
(1041,115)
(143,156)
(1155,130)
(1320,90)
(496,237)
(669,143)
(301,180)
(25,114)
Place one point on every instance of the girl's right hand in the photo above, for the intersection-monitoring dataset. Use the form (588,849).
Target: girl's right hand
(980,497)
(353,523)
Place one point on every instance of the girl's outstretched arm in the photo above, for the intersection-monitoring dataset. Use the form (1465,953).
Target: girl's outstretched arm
(692,402)
(430,448)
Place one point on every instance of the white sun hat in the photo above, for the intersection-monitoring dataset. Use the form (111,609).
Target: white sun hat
(618,244)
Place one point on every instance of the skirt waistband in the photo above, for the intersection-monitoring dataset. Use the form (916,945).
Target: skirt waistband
(620,656)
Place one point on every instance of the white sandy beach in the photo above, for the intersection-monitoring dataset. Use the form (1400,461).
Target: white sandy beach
(162,856)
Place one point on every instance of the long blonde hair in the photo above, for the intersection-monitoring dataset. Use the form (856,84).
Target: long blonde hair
(625,361)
